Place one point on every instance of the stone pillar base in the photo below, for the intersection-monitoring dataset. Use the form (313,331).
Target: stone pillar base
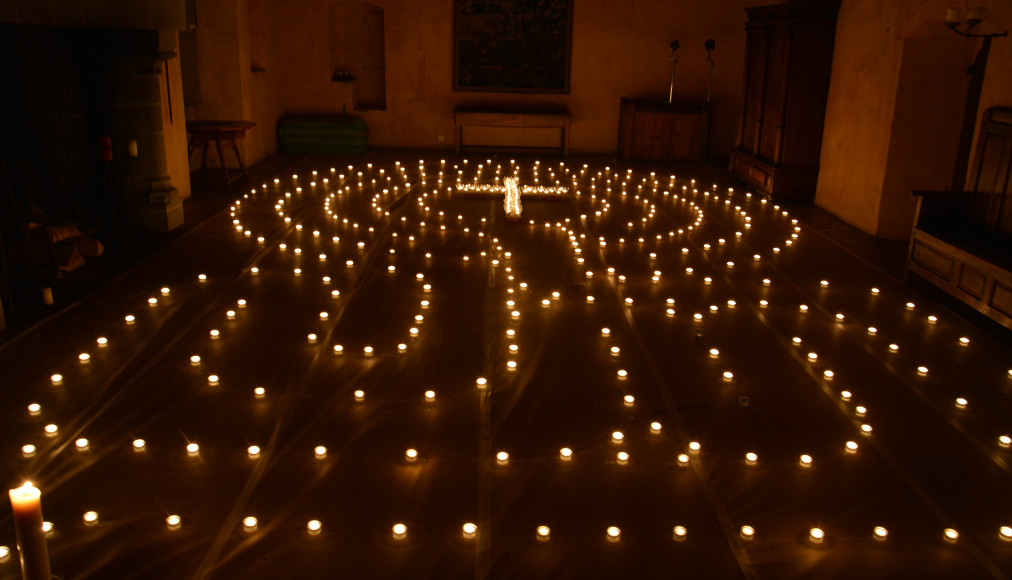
(157,217)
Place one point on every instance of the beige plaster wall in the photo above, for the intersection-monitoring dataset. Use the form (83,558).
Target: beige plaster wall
(619,49)
(895,105)
(997,89)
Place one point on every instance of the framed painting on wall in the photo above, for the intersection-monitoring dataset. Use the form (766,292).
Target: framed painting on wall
(520,46)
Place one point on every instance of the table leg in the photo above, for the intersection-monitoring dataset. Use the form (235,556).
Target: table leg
(203,160)
(221,158)
(242,168)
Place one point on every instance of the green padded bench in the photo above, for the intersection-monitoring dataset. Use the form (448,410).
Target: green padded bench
(323,134)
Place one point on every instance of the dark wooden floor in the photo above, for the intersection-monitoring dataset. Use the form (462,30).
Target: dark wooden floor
(715,319)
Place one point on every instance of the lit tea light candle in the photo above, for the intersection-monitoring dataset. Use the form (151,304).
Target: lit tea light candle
(922,370)
(81,444)
(961,403)
(860,410)
(655,427)
(866,429)
(56,379)
(964,341)
(824,283)
(682,459)
(368,351)
(51,430)
(129,318)
(679,533)
(880,533)
(314,527)
(851,447)
(714,353)
(28,450)
(1005,533)
(951,536)
(694,446)
(622,374)
(932,319)
(411,454)
(828,374)
(543,533)
(613,534)
(338,349)
(102,341)
(230,314)
(215,334)
(481,382)
(139,445)
(359,395)
(751,458)
(747,532)
(816,535)
(320,452)
(894,347)
(192,449)
(617,436)
(622,457)
(34,409)
(1005,441)
(249,524)
(565,453)
(152,302)
(400,531)
(502,458)
(728,376)
(202,277)
(253,451)
(803,308)
(872,330)
(212,380)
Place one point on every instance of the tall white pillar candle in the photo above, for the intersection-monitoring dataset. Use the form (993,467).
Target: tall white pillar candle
(26,502)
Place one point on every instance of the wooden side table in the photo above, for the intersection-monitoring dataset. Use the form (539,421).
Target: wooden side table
(661,131)
(222,133)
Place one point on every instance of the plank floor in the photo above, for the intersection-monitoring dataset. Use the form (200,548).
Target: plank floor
(651,378)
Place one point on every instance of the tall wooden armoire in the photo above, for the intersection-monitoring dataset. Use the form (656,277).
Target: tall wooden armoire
(788,55)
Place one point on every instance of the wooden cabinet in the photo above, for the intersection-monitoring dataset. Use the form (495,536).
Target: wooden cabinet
(661,131)
(788,55)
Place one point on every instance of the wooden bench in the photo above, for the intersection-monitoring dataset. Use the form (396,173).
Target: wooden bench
(962,240)
(512,130)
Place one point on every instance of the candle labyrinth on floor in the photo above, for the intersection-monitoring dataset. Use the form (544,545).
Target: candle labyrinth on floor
(391,376)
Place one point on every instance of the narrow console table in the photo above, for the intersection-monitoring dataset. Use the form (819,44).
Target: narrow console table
(507,129)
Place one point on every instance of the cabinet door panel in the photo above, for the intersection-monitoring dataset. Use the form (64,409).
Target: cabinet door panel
(754,90)
(775,93)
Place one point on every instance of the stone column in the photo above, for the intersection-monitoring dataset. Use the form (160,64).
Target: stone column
(127,91)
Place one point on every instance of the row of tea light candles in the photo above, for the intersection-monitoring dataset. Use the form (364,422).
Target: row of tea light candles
(32,531)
